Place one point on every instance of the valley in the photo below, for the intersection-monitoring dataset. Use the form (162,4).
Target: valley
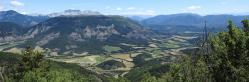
(157,48)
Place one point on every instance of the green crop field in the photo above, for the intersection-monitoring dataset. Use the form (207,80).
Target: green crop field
(111,48)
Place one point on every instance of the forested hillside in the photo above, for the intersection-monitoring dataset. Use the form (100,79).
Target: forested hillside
(32,67)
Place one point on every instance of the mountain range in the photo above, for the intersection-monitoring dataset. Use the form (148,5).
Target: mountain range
(74,31)
(188,19)
(190,22)
(21,19)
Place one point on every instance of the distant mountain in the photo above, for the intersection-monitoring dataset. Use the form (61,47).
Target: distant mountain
(219,21)
(71,12)
(190,20)
(23,20)
(175,19)
(138,17)
(87,33)
(10,32)
(242,13)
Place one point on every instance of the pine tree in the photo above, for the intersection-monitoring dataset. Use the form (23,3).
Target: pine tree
(229,53)
(30,61)
(187,70)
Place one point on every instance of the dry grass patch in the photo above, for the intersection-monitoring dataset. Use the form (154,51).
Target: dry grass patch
(126,57)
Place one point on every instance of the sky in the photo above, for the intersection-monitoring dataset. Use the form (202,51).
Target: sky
(129,7)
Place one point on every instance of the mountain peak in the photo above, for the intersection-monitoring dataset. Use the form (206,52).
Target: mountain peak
(71,12)
(9,12)
(182,14)
(23,20)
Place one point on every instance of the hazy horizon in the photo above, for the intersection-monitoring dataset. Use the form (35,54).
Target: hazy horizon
(37,14)
(129,7)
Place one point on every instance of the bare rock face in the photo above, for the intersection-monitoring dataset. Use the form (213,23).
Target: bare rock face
(6,39)
(76,36)
(12,38)
(71,12)
(10,32)
(47,38)
(100,32)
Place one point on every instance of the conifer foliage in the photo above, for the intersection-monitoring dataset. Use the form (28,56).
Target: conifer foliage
(230,54)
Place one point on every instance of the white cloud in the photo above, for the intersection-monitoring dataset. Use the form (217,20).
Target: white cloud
(193,8)
(223,3)
(150,12)
(131,8)
(16,3)
(1,7)
(24,13)
(107,7)
(119,9)
(226,2)
(138,12)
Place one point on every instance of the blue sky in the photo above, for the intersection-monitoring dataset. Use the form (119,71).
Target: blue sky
(129,7)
